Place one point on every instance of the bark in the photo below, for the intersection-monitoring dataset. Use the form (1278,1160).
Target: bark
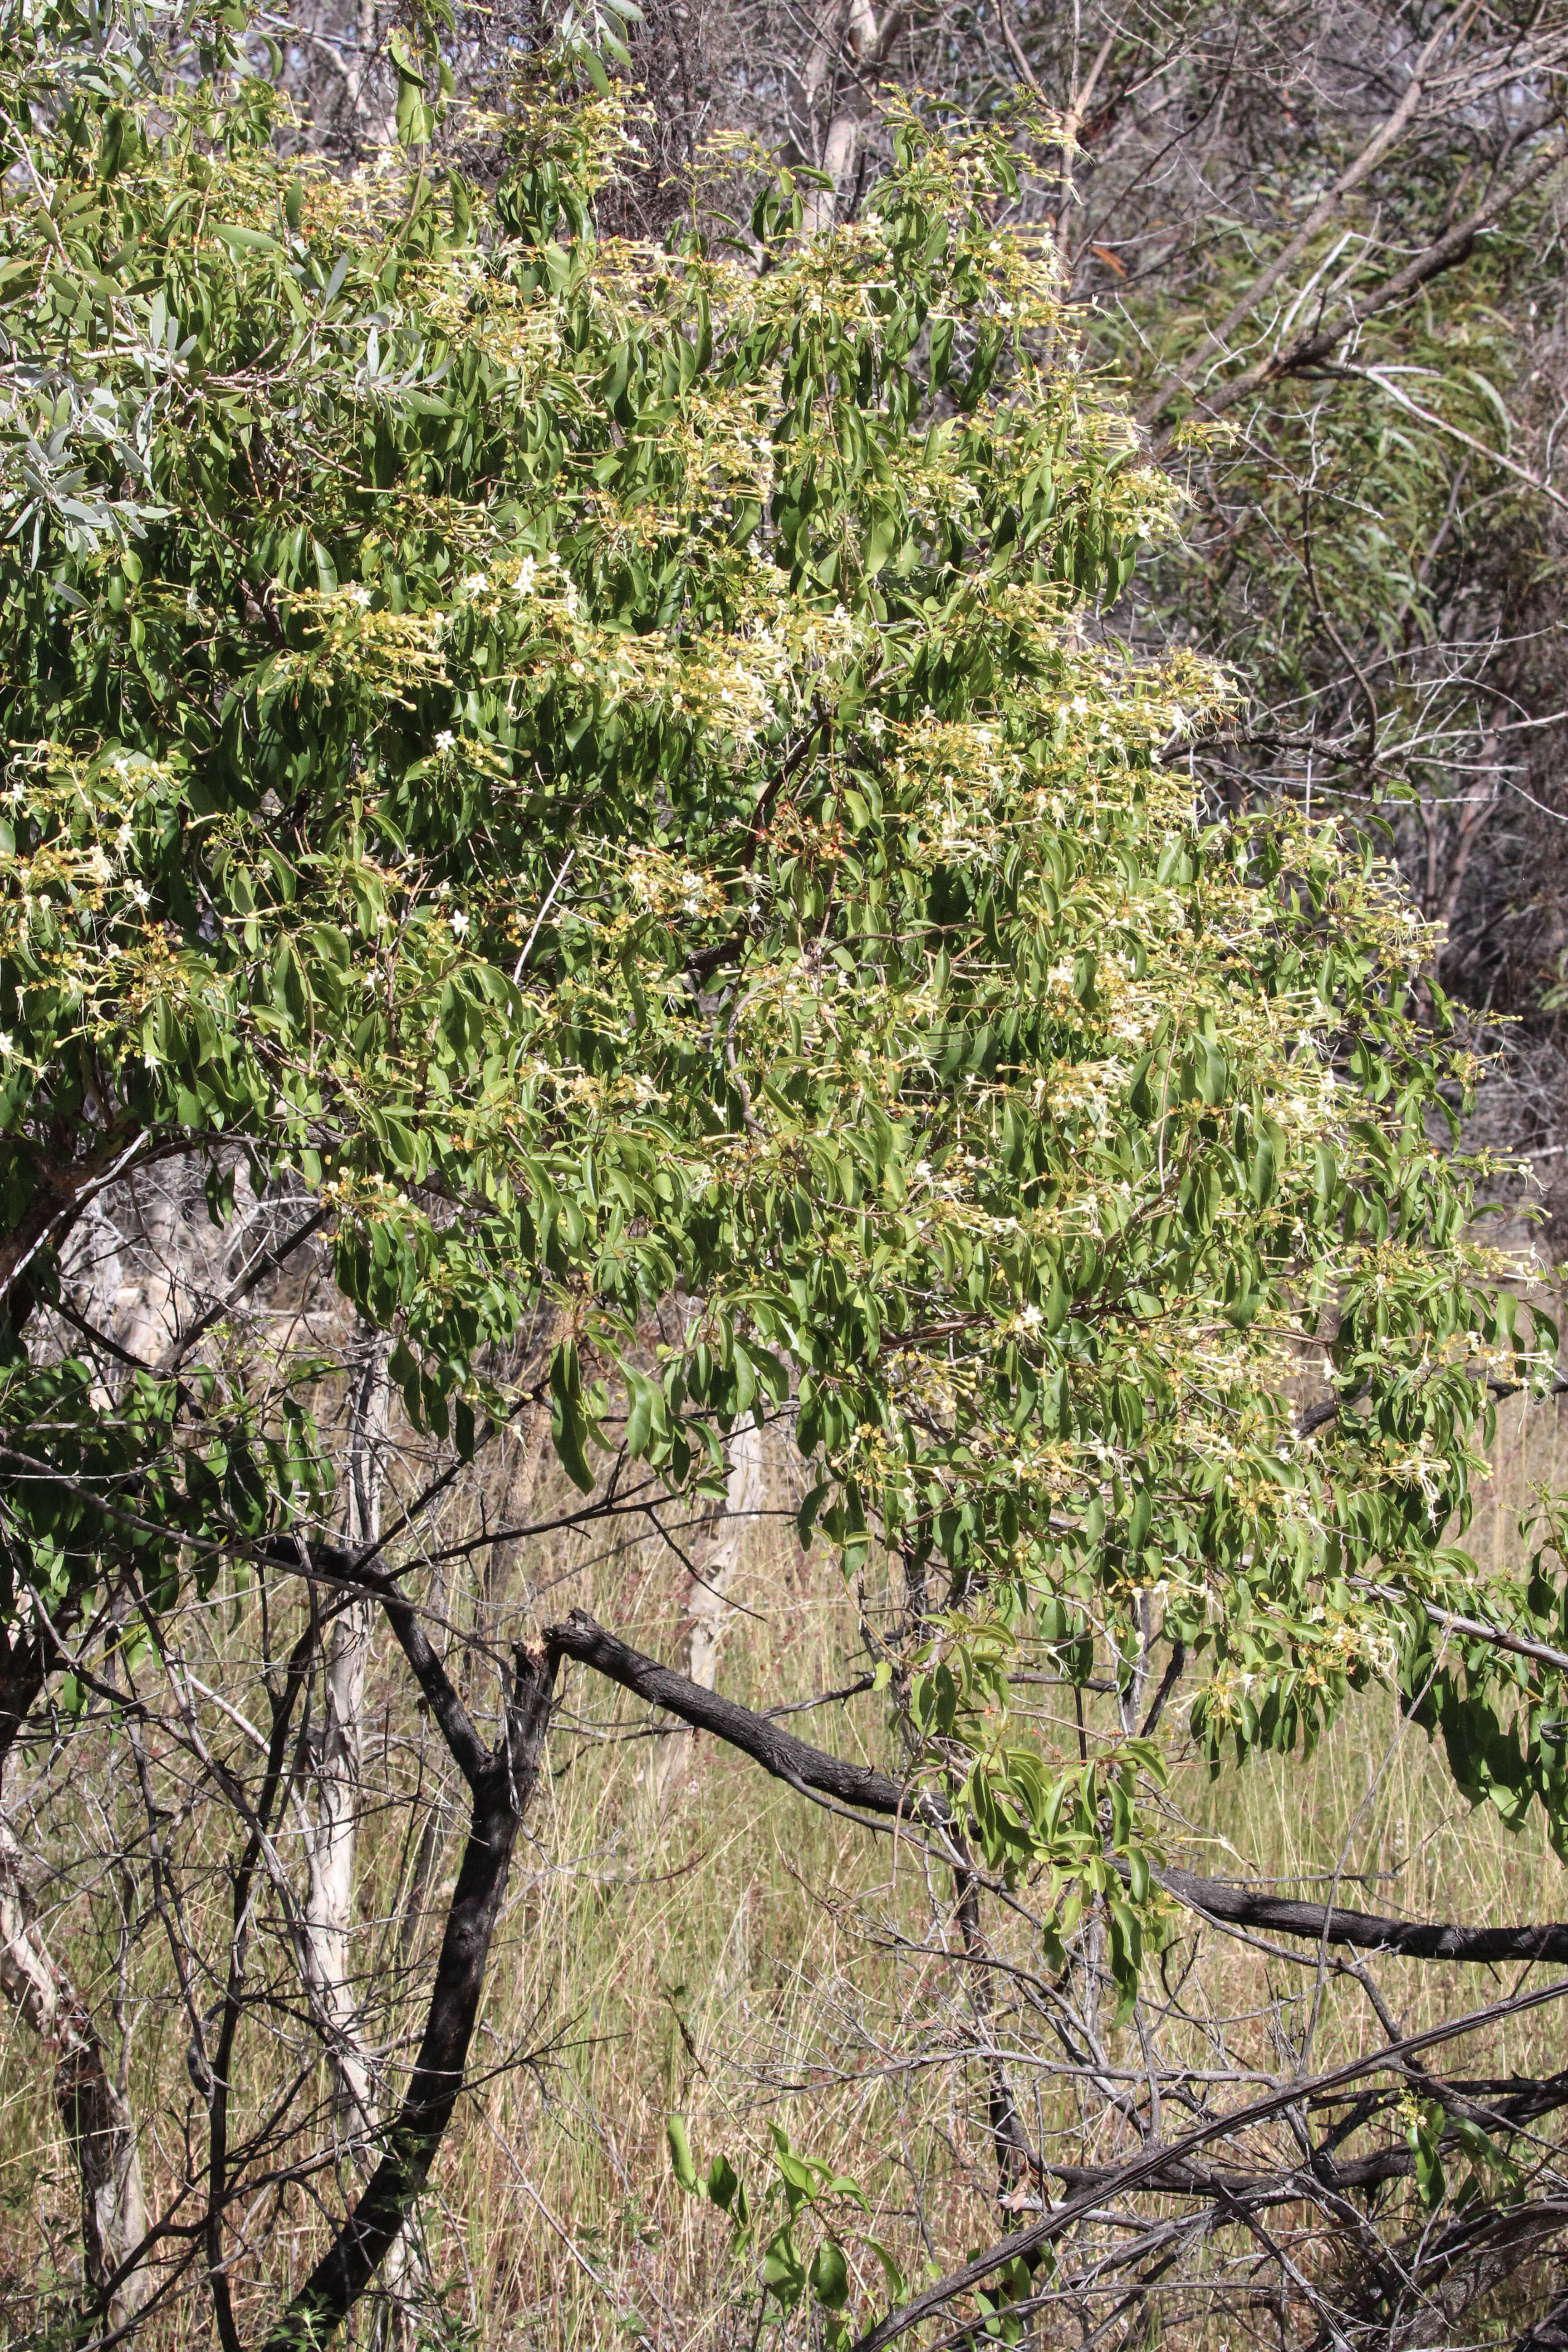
(716,1559)
(332,1843)
(777,1752)
(869,1791)
(332,1840)
(1549,2333)
(91,2105)
(502,1782)
(839,146)
(1014,2162)
(23,1662)
(848,32)
(1414,1939)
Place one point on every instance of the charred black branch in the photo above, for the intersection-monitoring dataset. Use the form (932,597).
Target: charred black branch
(1141,2170)
(501,1788)
(803,1766)
(806,1767)
(1411,1939)
(788,1758)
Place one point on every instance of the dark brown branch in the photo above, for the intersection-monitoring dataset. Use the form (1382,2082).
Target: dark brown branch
(1411,1939)
(23,1667)
(779,1752)
(1385,137)
(355,1572)
(869,1791)
(1314,345)
(1549,2333)
(26,1661)
(806,1767)
(501,1793)
(1014,2160)
(702,966)
(1520,2107)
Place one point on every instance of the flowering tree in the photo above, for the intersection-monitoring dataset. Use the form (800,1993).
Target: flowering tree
(595,770)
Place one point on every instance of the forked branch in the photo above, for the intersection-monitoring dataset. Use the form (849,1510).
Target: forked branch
(502,1784)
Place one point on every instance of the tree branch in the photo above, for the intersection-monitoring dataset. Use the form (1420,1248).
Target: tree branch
(1316,344)
(501,1793)
(1411,1939)
(778,1752)
(806,1767)
(1141,2172)
(1377,146)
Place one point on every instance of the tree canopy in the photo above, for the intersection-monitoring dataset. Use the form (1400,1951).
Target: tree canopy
(606,765)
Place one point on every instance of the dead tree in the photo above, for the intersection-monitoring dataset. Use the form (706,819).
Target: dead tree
(91,2098)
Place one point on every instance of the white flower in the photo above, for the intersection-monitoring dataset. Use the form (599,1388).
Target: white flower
(475,584)
(445,740)
(526,576)
(139,892)
(7,1042)
(460,923)
(362,597)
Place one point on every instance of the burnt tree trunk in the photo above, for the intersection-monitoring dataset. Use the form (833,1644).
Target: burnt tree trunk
(502,1782)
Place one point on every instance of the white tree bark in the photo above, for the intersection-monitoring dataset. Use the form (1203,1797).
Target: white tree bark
(331,1838)
(849,27)
(715,1556)
(91,2105)
(332,1834)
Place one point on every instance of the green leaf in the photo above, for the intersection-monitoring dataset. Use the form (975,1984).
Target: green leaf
(723,2185)
(830,2276)
(681,2162)
(244,241)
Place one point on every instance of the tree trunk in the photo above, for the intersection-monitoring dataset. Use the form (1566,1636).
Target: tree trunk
(849,31)
(92,2107)
(502,1782)
(332,1838)
(715,1556)
(332,1846)
(838,150)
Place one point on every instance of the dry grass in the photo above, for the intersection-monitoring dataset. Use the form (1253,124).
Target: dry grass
(742,1958)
